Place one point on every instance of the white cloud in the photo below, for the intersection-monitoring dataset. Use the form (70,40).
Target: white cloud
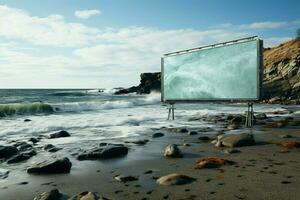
(85,14)
(50,52)
(51,30)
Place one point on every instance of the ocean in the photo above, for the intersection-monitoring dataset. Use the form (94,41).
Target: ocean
(91,115)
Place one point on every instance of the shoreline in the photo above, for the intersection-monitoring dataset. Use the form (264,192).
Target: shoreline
(261,171)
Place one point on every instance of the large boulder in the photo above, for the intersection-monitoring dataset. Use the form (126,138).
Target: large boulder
(175,179)
(236,140)
(62,165)
(109,151)
(173,151)
(8,151)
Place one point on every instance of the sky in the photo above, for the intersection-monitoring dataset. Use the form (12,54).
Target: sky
(108,43)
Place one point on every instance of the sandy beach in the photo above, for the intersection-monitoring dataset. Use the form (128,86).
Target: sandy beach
(264,170)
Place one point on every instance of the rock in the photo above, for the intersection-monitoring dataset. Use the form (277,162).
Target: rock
(51,195)
(173,151)
(230,151)
(286,136)
(25,146)
(261,116)
(193,133)
(125,179)
(232,126)
(88,196)
(60,134)
(186,144)
(102,144)
(236,140)
(8,151)
(4,173)
(138,142)
(210,162)
(109,151)
(18,158)
(51,148)
(205,129)
(237,119)
(289,144)
(203,138)
(179,130)
(156,135)
(48,167)
(27,120)
(175,179)
(33,140)
(149,82)
(148,172)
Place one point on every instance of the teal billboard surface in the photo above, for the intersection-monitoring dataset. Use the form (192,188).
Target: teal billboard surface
(227,72)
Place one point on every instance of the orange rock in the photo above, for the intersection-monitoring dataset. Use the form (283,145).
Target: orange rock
(210,162)
(289,144)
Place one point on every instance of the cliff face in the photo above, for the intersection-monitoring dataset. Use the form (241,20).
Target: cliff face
(282,72)
(281,75)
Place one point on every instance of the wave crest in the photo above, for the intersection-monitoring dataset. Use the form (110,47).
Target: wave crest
(24,108)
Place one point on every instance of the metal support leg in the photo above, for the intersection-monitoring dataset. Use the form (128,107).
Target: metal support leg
(249,116)
(171,111)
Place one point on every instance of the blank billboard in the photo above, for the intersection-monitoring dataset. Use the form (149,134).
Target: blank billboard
(228,71)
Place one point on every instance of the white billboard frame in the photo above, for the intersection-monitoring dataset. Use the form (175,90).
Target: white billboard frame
(259,65)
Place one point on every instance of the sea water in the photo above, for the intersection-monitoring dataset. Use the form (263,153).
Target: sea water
(99,115)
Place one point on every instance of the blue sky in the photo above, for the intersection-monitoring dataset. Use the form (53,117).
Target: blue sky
(91,44)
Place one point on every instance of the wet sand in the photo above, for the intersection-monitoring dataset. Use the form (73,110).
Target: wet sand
(262,171)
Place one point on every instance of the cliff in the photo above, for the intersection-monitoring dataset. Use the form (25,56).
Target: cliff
(282,72)
(281,83)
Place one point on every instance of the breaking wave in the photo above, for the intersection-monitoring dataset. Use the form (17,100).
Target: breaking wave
(25,108)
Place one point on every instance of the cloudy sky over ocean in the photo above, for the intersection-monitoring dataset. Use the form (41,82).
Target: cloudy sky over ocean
(105,44)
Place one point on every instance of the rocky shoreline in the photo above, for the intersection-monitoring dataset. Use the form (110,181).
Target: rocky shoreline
(171,163)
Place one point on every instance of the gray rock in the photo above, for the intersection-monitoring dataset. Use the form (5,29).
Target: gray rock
(230,151)
(60,134)
(237,140)
(49,167)
(193,133)
(4,173)
(86,195)
(286,136)
(109,151)
(8,151)
(18,158)
(51,148)
(138,142)
(156,135)
(125,179)
(175,179)
(33,140)
(25,146)
(173,151)
(51,195)
(204,138)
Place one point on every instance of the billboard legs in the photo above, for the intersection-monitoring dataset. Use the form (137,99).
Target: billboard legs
(249,116)
(171,111)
